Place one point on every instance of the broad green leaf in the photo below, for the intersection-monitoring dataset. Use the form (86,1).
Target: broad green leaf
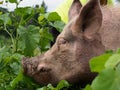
(17,79)
(45,38)
(16,57)
(110,2)
(1,2)
(97,64)
(118,69)
(15,67)
(5,18)
(113,61)
(52,16)
(118,51)
(62,84)
(88,87)
(108,79)
(59,25)
(40,18)
(48,87)
(43,88)
(22,11)
(28,81)
(29,39)
(1,13)
(42,10)
(45,33)
(13,1)
(24,14)
(1,65)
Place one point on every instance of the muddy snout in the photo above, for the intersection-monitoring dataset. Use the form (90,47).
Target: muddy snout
(43,68)
(30,66)
(38,69)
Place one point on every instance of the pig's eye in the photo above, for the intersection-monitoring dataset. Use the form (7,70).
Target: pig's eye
(62,41)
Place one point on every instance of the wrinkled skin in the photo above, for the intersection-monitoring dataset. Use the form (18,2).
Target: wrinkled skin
(85,36)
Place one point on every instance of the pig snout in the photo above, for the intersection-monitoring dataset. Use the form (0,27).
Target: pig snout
(42,68)
(29,66)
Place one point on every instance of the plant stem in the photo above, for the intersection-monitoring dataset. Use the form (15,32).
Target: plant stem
(12,39)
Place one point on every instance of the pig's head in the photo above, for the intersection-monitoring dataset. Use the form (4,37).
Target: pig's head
(69,57)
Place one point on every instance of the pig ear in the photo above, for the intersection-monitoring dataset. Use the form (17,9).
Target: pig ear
(90,19)
(74,9)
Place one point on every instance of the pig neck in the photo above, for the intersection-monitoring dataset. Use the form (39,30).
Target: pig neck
(110,30)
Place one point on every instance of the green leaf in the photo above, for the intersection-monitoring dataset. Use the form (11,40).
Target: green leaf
(28,82)
(48,87)
(5,18)
(17,79)
(42,10)
(97,64)
(59,25)
(113,61)
(62,84)
(27,13)
(40,18)
(43,88)
(88,87)
(1,2)
(45,38)
(44,33)
(1,13)
(29,39)
(13,1)
(110,2)
(15,67)
(118,69)
(52,16)
(108,79)
(118,51)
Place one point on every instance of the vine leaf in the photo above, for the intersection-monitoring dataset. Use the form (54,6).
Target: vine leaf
(29,39)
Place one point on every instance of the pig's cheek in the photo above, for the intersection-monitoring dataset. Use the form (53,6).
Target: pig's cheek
(62,48)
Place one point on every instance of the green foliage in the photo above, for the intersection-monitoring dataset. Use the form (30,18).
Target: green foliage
(5,18)
(111,79)
(29,39)
(13,1)
(97,64)
(45,37)
(62,84)
(23,33)
(109,72)
(52,19)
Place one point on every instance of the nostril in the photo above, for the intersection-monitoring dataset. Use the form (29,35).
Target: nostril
(43,68)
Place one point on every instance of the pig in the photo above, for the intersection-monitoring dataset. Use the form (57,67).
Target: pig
(92,29)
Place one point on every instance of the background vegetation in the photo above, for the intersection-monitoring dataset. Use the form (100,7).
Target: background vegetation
(25,32)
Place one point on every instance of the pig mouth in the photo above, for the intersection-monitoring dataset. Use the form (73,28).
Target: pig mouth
(40,73)
(29,66)
(43,78)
